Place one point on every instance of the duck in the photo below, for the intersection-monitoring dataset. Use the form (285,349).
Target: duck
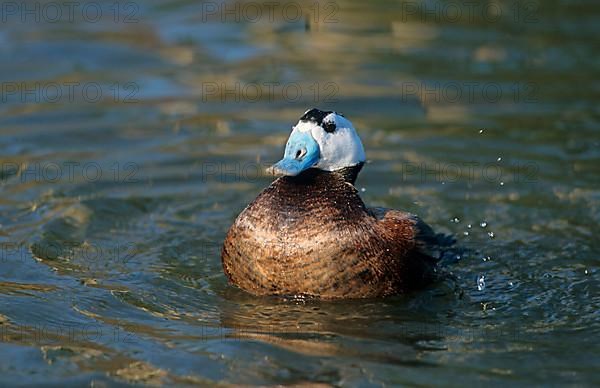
(309,234)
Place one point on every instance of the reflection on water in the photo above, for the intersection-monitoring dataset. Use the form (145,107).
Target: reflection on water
(130,141)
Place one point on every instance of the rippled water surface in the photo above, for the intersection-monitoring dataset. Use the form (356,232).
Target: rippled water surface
(116,191)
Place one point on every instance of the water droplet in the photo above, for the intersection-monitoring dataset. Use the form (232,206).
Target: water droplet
(586,271)
(501,183)
(487,258)
(362,189)
(466,233)
(483,224)
(510,284)
(491,234)
(481,130)
(481,283)
(499,159)
(456,220)
(457,257)
(469,226)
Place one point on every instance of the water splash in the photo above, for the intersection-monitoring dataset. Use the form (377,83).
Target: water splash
(481,283)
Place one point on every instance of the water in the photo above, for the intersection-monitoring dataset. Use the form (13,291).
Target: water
(117,193)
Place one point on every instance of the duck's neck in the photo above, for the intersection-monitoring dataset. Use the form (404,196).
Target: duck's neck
(307,177)
(350,173)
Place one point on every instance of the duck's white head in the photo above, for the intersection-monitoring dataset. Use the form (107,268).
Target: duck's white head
(323,140)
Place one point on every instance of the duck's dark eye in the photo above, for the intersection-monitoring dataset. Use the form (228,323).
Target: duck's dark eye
(298,154)
(329,126)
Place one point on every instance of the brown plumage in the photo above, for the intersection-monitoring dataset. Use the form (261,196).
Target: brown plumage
(312,235)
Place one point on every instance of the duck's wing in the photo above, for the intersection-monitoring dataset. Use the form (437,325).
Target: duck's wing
(426,241)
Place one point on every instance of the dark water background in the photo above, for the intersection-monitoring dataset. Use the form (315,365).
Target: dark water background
(130,141)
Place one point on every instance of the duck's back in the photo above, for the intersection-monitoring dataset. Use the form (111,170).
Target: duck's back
(312,235)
